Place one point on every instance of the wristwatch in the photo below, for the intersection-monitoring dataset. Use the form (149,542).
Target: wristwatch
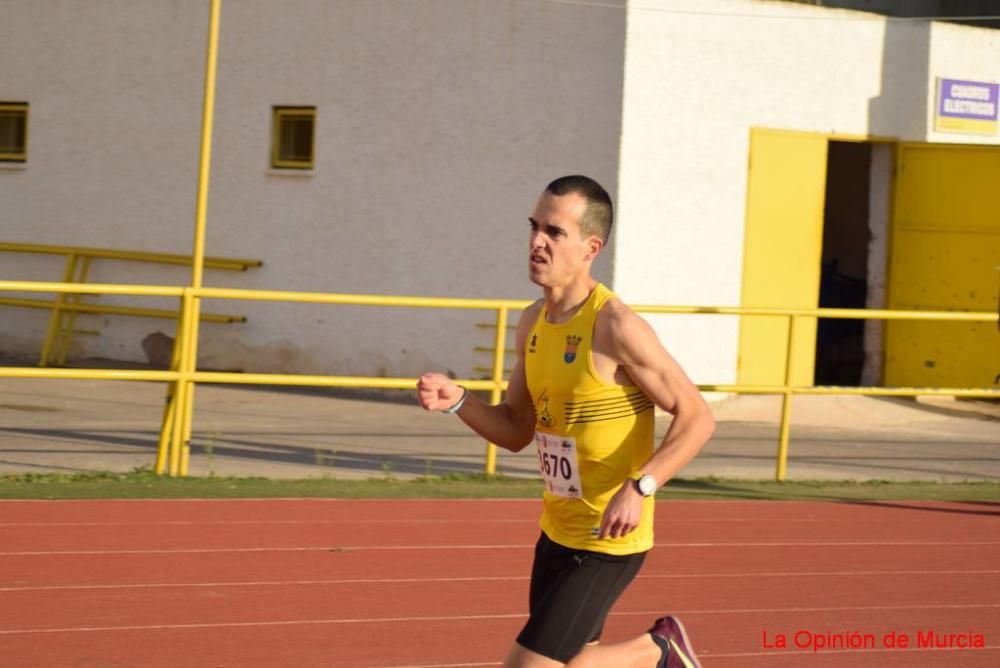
(646,485)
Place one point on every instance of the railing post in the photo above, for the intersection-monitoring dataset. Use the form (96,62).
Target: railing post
(786,404)
(496,394)
(55,319)
(189,368)
(170,408)
(180,399)
(181,411)
(66,334)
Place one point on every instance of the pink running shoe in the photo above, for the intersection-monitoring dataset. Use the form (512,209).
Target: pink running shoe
(680,654)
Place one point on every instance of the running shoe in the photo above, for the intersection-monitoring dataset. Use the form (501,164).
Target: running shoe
(671,631)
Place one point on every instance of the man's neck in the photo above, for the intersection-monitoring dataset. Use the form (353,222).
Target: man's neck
(563,301)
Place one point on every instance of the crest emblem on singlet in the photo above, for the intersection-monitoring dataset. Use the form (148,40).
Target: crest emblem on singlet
(572,342)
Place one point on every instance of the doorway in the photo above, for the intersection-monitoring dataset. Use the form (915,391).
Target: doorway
(816,233)
(840,343)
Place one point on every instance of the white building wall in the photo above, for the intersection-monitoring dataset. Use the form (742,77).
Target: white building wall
(113,146)
(698,76)
(439,122)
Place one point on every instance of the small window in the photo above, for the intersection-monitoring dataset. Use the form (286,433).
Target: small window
(293,137)
(13,131)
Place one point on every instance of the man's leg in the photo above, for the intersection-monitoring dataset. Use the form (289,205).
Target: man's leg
(666,645)
(521,657)
(639,652)
(572,592)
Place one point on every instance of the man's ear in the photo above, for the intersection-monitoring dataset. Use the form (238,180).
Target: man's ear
(594,246)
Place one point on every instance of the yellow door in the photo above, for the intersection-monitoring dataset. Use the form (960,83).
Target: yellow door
(783,247)
(944,253)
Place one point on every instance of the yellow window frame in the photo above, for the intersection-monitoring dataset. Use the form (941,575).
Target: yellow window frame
(279,116)
(12,109)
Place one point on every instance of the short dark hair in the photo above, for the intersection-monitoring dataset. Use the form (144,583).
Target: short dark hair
(599,214)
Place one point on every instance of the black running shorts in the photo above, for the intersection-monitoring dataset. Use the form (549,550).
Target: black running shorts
(571,593)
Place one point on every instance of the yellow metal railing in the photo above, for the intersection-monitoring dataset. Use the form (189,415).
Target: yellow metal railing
(174,449)
(65,307)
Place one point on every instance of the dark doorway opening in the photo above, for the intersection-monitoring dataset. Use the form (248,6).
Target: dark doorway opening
(840,351)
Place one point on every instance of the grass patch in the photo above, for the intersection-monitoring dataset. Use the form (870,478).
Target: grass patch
(144,484)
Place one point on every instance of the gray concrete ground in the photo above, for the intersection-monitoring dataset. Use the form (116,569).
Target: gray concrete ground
(82,425)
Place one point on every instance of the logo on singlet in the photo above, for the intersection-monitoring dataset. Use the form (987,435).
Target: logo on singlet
(534,342)
(572,342)
(544,416)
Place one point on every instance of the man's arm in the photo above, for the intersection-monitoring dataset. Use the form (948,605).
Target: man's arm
(510,424)
(660,377)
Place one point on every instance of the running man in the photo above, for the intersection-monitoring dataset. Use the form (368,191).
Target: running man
(589,372)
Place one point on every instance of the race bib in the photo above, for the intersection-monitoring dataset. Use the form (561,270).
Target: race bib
(557,464)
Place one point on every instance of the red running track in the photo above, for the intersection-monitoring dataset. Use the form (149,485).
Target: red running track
(444,583)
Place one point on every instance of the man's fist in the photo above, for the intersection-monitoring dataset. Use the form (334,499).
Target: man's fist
(437,392)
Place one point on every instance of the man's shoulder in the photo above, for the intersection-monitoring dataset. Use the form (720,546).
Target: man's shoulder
(530,313)
(528,318)
(615,313)
(620,328)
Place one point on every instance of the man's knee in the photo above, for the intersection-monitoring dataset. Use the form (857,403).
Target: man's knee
(522,657)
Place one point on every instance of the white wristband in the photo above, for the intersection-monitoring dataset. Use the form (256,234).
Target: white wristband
(458,404)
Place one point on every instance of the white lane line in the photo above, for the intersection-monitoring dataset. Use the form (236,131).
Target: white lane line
(711,655)
(214,523)
(227,550)
(500,520)
(317,500)
(494,578)
(440,665)
(524,546)
(458,618)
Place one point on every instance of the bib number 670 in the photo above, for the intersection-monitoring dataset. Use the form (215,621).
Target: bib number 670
(555,465)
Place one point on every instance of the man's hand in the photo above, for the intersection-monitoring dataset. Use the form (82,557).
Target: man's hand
(622,515)
(437,392)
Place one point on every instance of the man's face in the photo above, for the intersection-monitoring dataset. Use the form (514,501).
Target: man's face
(557,252)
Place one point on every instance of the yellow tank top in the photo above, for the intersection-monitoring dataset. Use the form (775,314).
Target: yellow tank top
(591,435)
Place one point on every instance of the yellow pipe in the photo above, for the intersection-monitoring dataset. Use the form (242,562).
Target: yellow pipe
(901,391)
(358,300)
(63,342)
(92,288)
(185,460)
(192,303)
(205,162)
(182,386)
(397,383)
(163,446)
(234,264)
(170,407)
(87,374)
(111,309)
(189,369)
(372,382)
(786,404)
(496,394)
(482,304)
(840,313)
(177,428)
(56,318)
